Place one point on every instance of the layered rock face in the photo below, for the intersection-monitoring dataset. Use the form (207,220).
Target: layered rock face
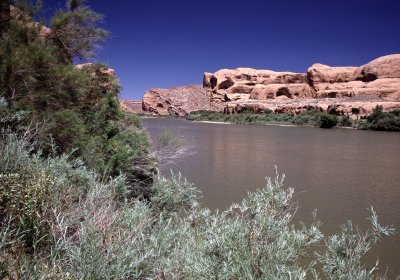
(354,91)
(341,90)
(131,106)
(229,85)
(177,101)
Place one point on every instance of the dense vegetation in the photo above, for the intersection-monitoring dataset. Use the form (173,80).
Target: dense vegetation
(79,194)
(377,120)
(386,121)
(77,107)
(61,221)
(308,118)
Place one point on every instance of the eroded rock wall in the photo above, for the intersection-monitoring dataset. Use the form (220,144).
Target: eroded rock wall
(351,90)
(177,101)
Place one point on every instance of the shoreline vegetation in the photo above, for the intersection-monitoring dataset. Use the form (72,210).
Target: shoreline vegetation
(377,120)
(80,192)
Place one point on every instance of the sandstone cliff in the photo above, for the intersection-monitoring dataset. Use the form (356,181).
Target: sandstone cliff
(131,106)
(354,91)
(177,101)
(341,90)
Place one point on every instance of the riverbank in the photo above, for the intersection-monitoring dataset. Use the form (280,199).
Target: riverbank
(308,118)
(378,120)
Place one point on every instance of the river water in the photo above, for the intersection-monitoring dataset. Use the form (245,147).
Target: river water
(340,172)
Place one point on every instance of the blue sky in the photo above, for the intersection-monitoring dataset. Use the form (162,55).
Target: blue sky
(165,43)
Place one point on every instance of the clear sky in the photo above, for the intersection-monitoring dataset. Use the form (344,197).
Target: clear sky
(165,43)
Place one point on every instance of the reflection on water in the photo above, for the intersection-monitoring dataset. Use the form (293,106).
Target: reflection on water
(340,172)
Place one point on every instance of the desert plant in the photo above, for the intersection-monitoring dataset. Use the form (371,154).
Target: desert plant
(169,148)
(94,232)
(326,120)
(342,258)
(345,121)
(385,121)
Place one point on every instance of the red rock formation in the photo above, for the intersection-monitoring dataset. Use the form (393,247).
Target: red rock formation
(351,90)
(177,101)
(342,90)
(131,106)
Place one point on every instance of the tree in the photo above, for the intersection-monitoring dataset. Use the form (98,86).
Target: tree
(73,4)
(28,8)
(76,33)
(4,15)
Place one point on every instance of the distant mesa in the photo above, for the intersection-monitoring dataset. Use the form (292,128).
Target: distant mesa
(353,91)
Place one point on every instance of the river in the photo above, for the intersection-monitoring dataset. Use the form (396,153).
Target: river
(340,172)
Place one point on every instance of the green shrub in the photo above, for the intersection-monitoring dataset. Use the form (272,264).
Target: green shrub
(67,129)
(326,120)
(96,232)
(345,121)
(385,121)
(25,200)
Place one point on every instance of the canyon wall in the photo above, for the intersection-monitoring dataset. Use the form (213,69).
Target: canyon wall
(354,91)
(177,101)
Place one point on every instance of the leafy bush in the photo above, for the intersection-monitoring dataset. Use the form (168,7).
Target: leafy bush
(326,120)
(24,199)
(75,110)
(310,117)
(62,217)
(345,121)
(342,259)
(385,121)
(92,231)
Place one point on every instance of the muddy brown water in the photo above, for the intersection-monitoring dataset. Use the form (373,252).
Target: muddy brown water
(340,172)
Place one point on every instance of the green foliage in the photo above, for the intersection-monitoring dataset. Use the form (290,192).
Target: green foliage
(78,108)
(251,240)
(94,233)
(67,129)
(74,170)
(309,118)
(76,32)
(24,199)
(345,121)
(174,195)
(326,120)
(27,6)
(342,259)
(386,121)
